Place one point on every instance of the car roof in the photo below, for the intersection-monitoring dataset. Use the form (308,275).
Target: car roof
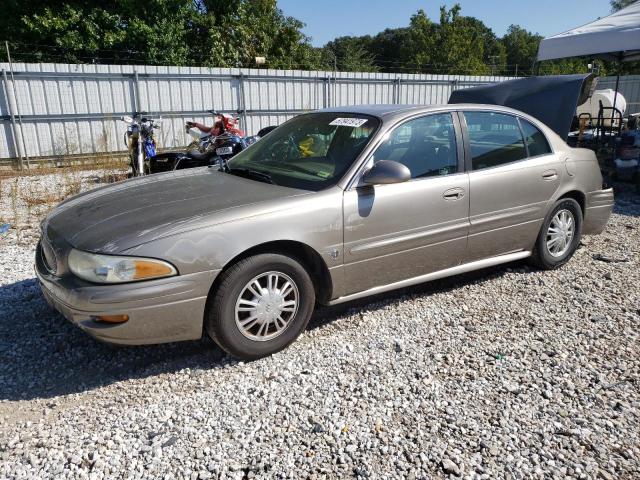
(387,111)
(378,110)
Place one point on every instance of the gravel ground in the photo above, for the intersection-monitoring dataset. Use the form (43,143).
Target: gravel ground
(508,372)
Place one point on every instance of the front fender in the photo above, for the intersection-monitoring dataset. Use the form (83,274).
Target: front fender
(313,220)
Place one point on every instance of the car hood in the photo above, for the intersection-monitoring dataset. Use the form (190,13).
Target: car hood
(117,217)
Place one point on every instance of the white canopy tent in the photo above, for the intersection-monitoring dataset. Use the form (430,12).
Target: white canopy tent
(615,37)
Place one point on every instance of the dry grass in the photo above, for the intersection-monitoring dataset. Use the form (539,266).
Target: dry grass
(113,177)
(26,198)
(34,198)
(66,164)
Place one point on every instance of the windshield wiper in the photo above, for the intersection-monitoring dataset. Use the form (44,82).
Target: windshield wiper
(248,173)
(294,167)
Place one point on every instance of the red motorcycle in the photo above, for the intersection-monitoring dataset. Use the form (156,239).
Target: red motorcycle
(210,146)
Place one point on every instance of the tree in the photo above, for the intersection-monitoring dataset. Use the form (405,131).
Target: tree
(350,54)
(86,32)
(461,44)
(391,49)
(168,32)
(620,4)
(420,43)
(521,47)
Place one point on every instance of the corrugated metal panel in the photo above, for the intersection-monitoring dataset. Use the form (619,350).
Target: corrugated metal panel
(73,109)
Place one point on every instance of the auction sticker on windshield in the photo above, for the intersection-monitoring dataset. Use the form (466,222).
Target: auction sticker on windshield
(349,122)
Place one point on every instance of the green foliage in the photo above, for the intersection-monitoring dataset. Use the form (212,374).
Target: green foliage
(349,54)
(466,46)
(521,48)
(231,33)
(158,32)
(620,4)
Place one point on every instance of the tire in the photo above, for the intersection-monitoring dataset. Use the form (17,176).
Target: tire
(543,257)
(255,340)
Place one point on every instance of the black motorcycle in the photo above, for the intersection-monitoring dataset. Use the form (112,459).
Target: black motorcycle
(207,150)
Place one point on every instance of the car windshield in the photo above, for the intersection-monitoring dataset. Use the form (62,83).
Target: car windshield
(311,151)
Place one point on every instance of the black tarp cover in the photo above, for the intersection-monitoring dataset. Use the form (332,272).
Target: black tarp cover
(551,99)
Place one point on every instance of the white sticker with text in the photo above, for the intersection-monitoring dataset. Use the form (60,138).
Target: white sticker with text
(349,122)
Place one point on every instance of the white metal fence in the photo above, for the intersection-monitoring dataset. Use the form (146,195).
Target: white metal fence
(53,110)
(65,110)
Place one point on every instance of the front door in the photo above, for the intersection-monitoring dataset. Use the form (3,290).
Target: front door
(399,231)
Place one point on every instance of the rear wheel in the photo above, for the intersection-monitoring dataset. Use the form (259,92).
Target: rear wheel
(261,305)
(559,236)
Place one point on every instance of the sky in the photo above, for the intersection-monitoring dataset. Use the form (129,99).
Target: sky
(327,19)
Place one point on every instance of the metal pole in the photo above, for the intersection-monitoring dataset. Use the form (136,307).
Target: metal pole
(516,69)
(14,128)
(335,75)
(615,98)
(613,114)
(13,82)
(138,101)
(243,103)
(396,90)
(325,92)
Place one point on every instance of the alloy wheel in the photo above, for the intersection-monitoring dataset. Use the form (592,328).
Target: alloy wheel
(266,306)
(560,233)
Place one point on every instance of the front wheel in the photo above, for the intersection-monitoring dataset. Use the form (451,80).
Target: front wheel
(261,305)
(559,236)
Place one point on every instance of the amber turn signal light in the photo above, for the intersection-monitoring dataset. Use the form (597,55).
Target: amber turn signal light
(112,318)
(146,269)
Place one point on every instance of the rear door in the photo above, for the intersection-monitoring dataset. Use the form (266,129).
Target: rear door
(399,231)
(512,175)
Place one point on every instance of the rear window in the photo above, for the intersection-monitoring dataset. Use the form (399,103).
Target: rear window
(494,138)
(536,141)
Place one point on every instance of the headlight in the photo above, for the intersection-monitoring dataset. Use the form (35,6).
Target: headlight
(111,269)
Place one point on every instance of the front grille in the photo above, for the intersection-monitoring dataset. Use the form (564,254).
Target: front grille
(48,256)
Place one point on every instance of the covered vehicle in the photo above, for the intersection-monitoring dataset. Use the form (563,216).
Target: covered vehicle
(552,99)
(331,206)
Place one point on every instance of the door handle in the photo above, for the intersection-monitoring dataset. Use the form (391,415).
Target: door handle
(453,194)
(550,175)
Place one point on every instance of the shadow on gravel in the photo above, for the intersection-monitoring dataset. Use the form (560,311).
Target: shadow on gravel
(325,315)
(45,356)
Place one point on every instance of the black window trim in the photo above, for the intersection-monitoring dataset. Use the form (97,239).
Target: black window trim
(467,145)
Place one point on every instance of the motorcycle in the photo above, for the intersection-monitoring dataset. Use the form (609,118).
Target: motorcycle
(207,149)
(140,141)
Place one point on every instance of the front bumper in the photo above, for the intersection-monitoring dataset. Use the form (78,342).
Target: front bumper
(598,211)
(164,310)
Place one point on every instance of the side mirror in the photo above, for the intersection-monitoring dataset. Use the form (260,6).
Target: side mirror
(385,172)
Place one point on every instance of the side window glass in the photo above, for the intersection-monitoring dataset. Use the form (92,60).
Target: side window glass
(426,145)
(494,138)
(536,141)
